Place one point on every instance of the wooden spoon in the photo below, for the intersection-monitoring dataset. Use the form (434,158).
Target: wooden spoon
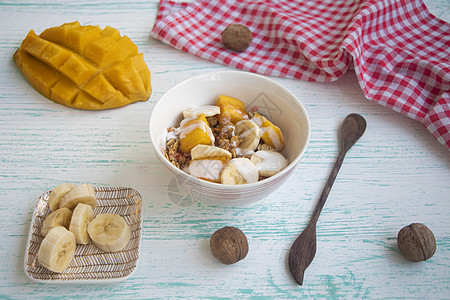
(304,247)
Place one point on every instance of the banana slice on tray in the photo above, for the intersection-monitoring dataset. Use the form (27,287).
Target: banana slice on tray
(207,110)
(60,217)
(250,135)
(239,171)
(84,193)
(57,193)
(269,162)
(57,249)
(109,232)
(81,217)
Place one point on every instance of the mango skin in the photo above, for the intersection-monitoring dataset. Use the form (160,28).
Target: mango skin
(231,110)
(194,132)
(84,67)
(271,134)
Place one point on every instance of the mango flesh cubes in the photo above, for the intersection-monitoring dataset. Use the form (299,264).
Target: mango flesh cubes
(231,110)
(84,67)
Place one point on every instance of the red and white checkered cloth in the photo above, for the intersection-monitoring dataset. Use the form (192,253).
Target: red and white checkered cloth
(400,52)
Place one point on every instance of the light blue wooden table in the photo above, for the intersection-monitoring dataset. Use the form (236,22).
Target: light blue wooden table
(395,175)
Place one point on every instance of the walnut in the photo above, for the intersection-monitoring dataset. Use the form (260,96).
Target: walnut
(237,37)
(416,242)
(229,245)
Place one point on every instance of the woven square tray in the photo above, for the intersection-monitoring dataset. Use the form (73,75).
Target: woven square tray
(90,264)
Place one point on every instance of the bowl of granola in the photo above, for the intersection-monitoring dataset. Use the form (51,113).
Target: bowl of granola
(229,138)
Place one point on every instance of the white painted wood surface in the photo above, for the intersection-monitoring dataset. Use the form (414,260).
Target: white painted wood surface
(395,175)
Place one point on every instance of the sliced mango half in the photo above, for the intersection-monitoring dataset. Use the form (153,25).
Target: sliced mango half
(84,67)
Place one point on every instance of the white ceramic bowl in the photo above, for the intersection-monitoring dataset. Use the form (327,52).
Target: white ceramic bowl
(270,98)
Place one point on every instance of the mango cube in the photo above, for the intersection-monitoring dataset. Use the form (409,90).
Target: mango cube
(100,88)
(111,32)
(127,46)
(85,100)
(144,72)
(194,132)
(271,134)
(104,52)
(34,45)
(126,78)
(78,69)
(78,38)
(64,92)
(41,76)
(55,55)
(59,34)
(231,110)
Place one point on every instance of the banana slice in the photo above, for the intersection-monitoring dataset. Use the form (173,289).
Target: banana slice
(239,171)
(60,217)
(205,151)
(84,193)
(269,162)
(57,193)
(208,161)
(250,135)
(57,249)
(81,217)
(207,110)
(109,232)
(207,169)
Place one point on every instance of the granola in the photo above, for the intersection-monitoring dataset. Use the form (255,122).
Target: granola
(175,156)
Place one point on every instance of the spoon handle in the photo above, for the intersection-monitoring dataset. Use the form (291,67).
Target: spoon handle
(326,190)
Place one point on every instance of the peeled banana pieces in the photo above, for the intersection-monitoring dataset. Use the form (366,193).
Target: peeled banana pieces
(57,249)
(84,67)
(74,223)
